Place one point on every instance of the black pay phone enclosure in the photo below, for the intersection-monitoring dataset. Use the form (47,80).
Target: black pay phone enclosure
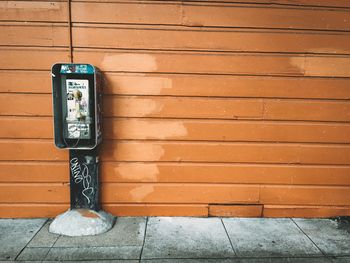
(76,105)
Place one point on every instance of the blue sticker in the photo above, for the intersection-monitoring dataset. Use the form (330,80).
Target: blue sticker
(77,69)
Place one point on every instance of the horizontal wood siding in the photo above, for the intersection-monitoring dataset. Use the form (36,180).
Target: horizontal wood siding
(211,108)
(189,130)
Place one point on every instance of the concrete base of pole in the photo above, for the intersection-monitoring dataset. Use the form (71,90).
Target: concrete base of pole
(82,222)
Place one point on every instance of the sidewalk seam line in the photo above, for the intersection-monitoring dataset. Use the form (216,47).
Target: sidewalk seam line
(324,254)
(49,250)
(31,239)
(228,236)
(144,240)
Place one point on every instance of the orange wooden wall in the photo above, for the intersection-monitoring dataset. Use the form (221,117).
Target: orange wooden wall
(212,108)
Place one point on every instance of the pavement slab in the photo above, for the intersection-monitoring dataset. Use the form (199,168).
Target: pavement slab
(101,261)
(93,253)
(267,237)
(127,231)
(287,260)
(182,239)
(183,260)
(15,234)
(178,237)
(33,253)
(75,261)
(341,260)
(331,236)
(43,238)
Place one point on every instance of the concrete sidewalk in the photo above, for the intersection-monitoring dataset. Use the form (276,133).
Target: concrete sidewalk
(178,239)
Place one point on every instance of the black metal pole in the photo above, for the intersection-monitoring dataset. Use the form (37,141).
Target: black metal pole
(84,173)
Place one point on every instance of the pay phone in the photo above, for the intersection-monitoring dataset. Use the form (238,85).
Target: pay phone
(76,105)
(76,109)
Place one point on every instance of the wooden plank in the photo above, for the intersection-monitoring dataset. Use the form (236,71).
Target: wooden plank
(335,66)
(188,130)
(183,193)
(210,14)
(34,193)
(306,110)
(227,86)
(53,11)
(184,62)
(31,150)
(31,58)
(226,152)
(182,107)
(305,211)
(333,3)
(179,193)
(315,3)
(32,210)
(305,195)
(234,15)
(219,130)
(189,62)
(113,172)
(282,153)
(181,38)
(236,210)
(26,127)
(190,107)
(52,210)
(191,85)
(34,172)
(225,173)
(156,210)
(220,108)
(135,193)
(216,63)
(25,81)
(26,104)
(33,35)
(40,105)
(127,13)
